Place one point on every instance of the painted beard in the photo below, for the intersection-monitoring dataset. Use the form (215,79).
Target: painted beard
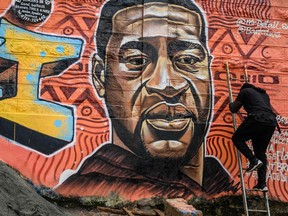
(156,125)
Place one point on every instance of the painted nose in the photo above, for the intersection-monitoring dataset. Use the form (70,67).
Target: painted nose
(165,81)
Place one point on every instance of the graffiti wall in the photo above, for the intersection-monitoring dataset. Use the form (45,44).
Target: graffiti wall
(131,97)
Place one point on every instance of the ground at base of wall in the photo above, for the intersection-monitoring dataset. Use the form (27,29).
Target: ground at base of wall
(223,206)
(233,205)
(20,197)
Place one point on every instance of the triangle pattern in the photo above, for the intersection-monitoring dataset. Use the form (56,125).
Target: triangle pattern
(67,91)
(89,22)
(246,37)
(73,23)
(211,32)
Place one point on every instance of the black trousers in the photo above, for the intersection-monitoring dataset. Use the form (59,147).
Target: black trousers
(260,134)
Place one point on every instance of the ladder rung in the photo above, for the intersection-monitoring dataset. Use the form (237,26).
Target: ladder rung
(244,169)
(255,210)
(248,189)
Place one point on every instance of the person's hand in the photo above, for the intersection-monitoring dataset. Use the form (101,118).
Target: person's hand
(235,106)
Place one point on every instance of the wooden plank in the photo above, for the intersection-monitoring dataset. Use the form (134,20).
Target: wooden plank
(143,213)
(159,213)
(105,209)
(128,212)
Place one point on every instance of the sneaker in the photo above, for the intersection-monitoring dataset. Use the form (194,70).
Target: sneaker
(261,187)
(254,166)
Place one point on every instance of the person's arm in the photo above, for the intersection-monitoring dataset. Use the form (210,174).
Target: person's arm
(237,104)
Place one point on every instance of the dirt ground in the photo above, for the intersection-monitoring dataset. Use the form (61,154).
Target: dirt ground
(18,197)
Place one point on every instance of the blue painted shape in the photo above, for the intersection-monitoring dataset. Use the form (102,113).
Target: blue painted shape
(58,123)
(60,49)
(43,54)
(29,77)
(2,41)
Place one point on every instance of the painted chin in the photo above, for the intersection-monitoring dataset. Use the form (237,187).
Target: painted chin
(164,138)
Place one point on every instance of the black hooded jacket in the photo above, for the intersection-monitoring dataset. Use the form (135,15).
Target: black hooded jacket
(256,103)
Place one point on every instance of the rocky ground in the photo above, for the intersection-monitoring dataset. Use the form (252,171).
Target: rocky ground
(18,197)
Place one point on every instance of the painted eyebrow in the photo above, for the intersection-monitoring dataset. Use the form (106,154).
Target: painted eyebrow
(142,46)
(176,46)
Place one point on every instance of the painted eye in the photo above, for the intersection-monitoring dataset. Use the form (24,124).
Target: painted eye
(186,62)
(138,62)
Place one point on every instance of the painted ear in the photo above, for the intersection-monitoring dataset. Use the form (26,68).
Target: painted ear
(98,74)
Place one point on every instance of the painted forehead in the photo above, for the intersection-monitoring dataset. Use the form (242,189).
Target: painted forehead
(171,16)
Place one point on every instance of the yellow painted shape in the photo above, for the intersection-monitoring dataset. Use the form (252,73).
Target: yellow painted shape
(37,116)
(31,51)
(25,44)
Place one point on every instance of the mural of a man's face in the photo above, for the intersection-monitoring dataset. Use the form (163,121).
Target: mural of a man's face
(157,80)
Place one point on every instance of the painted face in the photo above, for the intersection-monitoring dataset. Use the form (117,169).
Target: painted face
(158,82)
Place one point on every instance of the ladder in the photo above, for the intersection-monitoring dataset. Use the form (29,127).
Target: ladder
(244,190)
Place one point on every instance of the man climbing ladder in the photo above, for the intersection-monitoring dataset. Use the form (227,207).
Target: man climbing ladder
(259,127)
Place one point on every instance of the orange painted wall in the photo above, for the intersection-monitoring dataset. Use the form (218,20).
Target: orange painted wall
(240,32)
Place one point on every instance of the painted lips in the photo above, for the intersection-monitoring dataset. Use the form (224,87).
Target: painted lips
(167,129)
(171,117)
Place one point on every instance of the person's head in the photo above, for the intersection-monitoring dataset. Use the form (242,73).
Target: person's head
(153,69)
(248,85)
